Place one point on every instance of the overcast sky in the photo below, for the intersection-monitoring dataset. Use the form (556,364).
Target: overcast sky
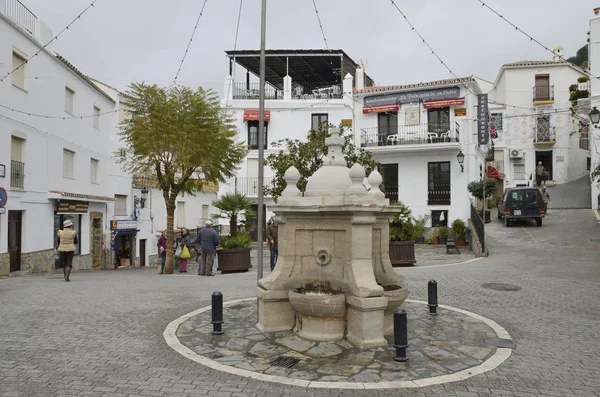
(119,41)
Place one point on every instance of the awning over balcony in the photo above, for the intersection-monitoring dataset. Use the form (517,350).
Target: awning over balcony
(492,172)
(443,103)
(380,109)
(253,114)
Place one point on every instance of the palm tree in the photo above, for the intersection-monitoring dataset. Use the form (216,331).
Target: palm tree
(231,207)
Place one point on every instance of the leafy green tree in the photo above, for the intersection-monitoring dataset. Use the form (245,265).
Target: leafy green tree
(476,189)
(233,206)
(307,156)
(183,138)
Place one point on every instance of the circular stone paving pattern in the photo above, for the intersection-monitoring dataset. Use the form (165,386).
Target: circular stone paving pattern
(444,348)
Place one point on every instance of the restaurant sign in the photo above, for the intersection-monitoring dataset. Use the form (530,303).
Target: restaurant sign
(412,96)
(72,207)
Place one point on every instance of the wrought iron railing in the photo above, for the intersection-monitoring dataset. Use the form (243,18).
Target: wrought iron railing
(390,191)
(17,174)
(438,193)
(478,226)
(248,186)
(544,134)
(410,134)
(317,91)
(251,91)
(543,93)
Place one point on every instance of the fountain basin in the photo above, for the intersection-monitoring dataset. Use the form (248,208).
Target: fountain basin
(396,294)
(320,315)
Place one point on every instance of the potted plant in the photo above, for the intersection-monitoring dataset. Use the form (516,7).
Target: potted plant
(234,254)
(476,190)
(402,230)
(435,235)
(419,229)
(443,235)
(458,230)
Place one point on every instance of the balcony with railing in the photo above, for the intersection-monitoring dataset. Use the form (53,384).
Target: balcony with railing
(251,91)
(544,136)
(17,174)
(20,14)
(298,91)
(438,194)
(248,186)
(407,135)
(543,93)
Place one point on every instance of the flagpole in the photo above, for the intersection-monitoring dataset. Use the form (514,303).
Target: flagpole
(261,148)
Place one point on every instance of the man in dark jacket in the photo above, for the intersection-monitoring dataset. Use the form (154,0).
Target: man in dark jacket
(209,240)
(272,239)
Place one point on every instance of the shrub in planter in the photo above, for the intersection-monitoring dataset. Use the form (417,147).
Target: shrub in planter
(458,230)
(476,190)
(443,234)
(419,229)
(235,252)
(402,230)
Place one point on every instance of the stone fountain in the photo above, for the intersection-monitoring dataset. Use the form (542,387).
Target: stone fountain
(333,277)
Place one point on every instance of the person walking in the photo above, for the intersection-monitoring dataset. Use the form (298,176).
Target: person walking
(272,239)
(186,245)
(162,251)
(540,172)
(546,198)
(209,240)
(67,238)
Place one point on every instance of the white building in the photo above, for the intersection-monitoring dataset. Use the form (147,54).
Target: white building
(538,126)
(304,88)
(52,168)
(416,132)
(594,68)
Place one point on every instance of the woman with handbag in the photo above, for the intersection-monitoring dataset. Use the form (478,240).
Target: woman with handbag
(162,251)
(185,244)
(67,238)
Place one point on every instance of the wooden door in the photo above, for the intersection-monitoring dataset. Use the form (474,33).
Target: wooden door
(14,239)
(142,253)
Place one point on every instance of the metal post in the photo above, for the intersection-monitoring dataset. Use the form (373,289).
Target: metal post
(217,313)
(432,297)
(400,335)
(484,200)
(261,144)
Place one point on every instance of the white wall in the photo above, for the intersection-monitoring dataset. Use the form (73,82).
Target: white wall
(515,87)
(45,139)
(594,57)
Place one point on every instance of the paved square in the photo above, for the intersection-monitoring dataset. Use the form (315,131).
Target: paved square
(101,334)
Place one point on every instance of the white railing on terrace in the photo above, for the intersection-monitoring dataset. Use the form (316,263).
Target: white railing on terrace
(585,86)
(20,14)
(410,134)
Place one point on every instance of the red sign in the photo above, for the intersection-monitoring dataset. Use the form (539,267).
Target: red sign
(444,103)
(3,197)
(380,109)
(492,172)
(253,114)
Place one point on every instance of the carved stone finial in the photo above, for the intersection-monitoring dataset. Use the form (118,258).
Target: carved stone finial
(375,179)
(291,177)
(357,175)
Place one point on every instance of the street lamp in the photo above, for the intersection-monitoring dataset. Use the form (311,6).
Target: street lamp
(461,159)
(144,197)
(595,116)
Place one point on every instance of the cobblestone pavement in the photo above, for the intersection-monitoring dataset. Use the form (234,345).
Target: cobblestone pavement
(439,345)
(101,334)
(575,194)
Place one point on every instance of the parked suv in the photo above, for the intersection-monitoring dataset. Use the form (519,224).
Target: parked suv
(522,203)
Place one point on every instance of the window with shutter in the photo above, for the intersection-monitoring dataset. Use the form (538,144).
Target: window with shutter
(120,205)
(180,214)
(18,65)
(69,98)
(94,171)
(68,159)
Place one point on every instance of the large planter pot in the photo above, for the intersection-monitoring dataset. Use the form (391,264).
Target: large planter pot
(461,242)
(234,260)
(443,240)
(320,316)
(488,218)
(421,240)
(402,253)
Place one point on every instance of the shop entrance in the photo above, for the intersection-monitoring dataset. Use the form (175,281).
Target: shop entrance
(142,253)
(124,249)
(14,239)
(546,158)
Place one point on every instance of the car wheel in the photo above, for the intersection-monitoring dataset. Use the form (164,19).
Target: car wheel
(506,223)
(538,221)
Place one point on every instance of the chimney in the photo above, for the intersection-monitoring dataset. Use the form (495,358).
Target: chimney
(360,78)
(558,54)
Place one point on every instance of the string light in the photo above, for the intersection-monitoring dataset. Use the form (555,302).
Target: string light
(444,63)
(531,38)
(53,39)
(189,43)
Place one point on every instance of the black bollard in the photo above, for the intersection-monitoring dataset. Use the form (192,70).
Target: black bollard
(400,335)
(217,313)
(432,297)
